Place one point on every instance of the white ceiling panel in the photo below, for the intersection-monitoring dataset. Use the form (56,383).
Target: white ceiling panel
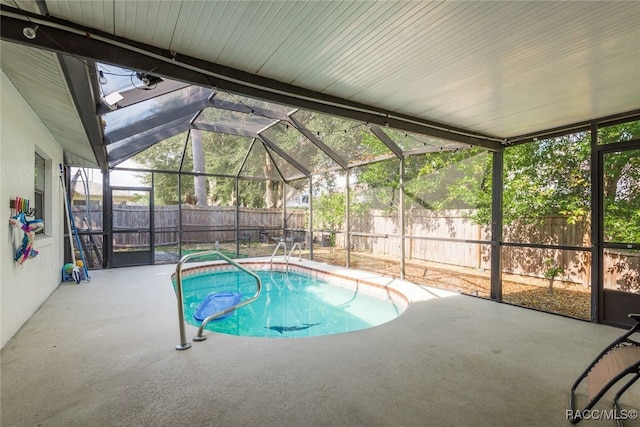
(205,28)
(98,14)
(152,23)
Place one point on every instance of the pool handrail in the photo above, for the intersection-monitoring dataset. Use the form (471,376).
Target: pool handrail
(291,251)
(184,345)
(280,243)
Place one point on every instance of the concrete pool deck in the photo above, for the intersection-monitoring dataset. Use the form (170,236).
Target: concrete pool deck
(103,354)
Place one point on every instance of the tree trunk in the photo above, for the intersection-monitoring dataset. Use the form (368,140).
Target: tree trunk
(199,182)
(268,195)
(271,190)
(212,187)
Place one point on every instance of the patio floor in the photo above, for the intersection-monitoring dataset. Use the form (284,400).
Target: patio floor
(103,354)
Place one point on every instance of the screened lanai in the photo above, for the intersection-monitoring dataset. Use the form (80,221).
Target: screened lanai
(488,148)
(194,169)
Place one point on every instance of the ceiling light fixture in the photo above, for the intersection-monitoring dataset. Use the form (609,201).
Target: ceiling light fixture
(102,79)
(30,31)
(147,79)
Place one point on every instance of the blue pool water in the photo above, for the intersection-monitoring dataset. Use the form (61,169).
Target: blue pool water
(290,305)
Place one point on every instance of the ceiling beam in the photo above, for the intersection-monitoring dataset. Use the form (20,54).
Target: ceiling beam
(241,108)
(574,127)
(78,76)
(315,140)
(386,140)
(284,155)
(230,130)
(168,114)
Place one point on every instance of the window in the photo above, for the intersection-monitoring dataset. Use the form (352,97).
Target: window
(39,188)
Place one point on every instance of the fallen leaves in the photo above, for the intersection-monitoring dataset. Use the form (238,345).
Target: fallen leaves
(568,299)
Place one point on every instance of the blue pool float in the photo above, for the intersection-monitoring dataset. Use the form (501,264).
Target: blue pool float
(214,303)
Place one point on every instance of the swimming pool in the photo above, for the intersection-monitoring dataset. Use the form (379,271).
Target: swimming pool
(299,303)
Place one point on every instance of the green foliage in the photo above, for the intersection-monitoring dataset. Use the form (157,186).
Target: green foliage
(381,189)
(381,179)
(621,185)
(350,139)
(550,177)
(163,156)
(371,145)
(166,188)
(552,270)
(329,211)
(622,221)
(324,127)
(458,179)
(620,132)
(251,193)
(168,155)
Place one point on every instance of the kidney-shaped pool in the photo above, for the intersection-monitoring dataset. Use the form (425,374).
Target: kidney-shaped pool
(297,303)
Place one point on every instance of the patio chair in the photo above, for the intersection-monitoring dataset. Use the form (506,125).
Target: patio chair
(616,362)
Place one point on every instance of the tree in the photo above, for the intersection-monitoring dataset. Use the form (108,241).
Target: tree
(163,156)
(621,190)
(458,179)
(621,185)
(546,178)
(168,155)
(329,211)
(551,272)
(552,177)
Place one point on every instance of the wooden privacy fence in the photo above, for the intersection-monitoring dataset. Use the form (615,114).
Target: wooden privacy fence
(449,237)
(428,231)
(200,224)
(378,232)
(622,269)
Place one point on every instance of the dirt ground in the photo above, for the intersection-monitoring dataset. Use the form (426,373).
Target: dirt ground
(568,299)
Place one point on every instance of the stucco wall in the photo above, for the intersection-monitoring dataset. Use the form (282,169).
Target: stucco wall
(24,288)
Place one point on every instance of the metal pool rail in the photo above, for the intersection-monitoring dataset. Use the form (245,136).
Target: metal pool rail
(280,243)
(297,244)
(184,345)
